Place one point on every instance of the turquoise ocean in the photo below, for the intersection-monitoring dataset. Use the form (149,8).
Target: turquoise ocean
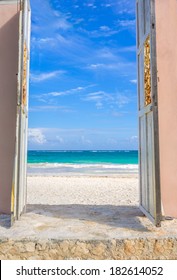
(82,162)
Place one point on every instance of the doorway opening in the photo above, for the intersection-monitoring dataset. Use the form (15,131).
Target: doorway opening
(87,102)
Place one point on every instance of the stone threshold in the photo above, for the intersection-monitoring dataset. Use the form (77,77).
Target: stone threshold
(116,249)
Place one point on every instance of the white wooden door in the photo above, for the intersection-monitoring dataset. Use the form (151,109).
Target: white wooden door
(150,199)
(19,186)
(15,180)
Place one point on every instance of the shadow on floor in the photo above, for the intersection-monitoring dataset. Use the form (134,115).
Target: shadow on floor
(113,216)
(5,221)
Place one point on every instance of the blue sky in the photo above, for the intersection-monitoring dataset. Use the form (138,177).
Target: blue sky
(83,75)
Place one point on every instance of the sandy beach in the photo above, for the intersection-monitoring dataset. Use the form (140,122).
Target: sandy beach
(92,190)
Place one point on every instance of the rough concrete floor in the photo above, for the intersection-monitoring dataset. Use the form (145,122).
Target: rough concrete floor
(84,222)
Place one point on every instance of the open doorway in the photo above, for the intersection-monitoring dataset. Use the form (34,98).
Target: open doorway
(94,57)
(83,138)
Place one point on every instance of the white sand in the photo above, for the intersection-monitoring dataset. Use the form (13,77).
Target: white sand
(87,190)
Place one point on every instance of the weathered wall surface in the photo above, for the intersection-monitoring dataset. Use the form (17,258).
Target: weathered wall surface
(9,24)
(123,249)
(166,26)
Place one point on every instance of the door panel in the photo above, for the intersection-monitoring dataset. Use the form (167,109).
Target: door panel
(143,165)
(146,16)
(141,11)
(18,201)
(150,201)
(150,164)
(15,181)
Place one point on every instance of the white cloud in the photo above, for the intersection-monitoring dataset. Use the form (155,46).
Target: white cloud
(96,66)
(133,81)
(99,98)
(124,7)
(68,139)
(50,42)
(35,135)
(106,5)
(101,32)
(108,54)
(59,139)
(105,28)
(70,91)
(97,94)
(49,20)
(111,100)
(43,40)
(78,20)
(123,67)
(91,5)
(85,140)
(134,138)
(66,92)
(50,108)
(50,101)
(127,49)
(127,23)
(45,76)
(62,24)
(99,105)
(122,100)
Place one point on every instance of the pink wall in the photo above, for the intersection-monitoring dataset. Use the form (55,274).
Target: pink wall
(166,24)
(8,92)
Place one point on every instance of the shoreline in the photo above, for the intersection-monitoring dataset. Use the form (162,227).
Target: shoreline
(96,170)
